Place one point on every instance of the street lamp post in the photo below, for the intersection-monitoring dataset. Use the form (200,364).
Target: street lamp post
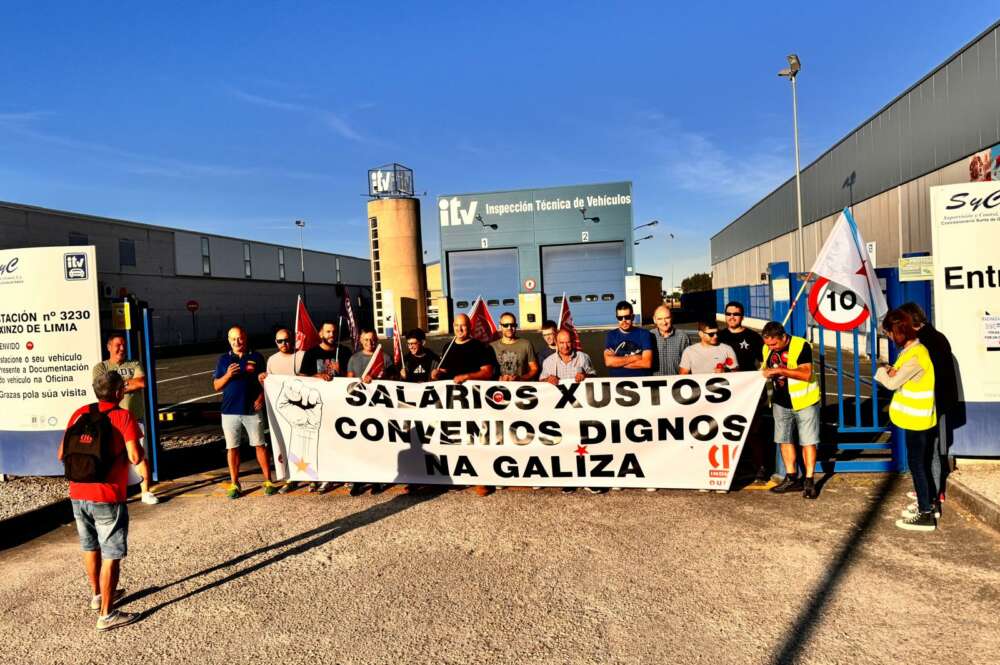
(652,223)
(670,236)
(302,257)
(791,72)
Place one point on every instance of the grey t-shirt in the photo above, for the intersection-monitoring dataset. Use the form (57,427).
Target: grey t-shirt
(133,402)
(359,361)
(514,358)
(703,359)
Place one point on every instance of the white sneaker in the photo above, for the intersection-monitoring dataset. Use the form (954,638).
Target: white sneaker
(911,511)
(116,619)
(149,499)
(95,600)
(650,489)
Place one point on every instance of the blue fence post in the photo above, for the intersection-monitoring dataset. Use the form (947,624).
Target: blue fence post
(776,272)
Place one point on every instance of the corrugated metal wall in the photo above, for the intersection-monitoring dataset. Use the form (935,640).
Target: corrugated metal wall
(950,114)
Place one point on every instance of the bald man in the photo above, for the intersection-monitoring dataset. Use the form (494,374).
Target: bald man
(236,376)
(466,359)
(670,343)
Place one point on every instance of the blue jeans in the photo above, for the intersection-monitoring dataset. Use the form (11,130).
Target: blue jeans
(920,446)
(102,526)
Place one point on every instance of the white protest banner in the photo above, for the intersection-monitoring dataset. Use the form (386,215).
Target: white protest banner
(679,432)
(49,342)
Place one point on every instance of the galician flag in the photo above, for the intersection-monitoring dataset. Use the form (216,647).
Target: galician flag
(844,261)
(566,323)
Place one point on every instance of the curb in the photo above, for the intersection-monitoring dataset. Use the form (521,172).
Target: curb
(983,509)
(19,529)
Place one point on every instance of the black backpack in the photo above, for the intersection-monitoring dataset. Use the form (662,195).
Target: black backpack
(87,452)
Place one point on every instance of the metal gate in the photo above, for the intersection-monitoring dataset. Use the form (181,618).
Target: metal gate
(490,273)
(856,435)
(592,275)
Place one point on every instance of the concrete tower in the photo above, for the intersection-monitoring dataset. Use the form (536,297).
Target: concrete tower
(399,287)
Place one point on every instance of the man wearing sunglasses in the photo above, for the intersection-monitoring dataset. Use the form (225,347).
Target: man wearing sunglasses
(745,343)
(708,356)
(515,356)
(282,363)
(628,350)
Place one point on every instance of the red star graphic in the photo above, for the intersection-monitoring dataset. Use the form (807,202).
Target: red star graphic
(581,450)
(862,270)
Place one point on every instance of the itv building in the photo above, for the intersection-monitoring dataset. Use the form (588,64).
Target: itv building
(522,250)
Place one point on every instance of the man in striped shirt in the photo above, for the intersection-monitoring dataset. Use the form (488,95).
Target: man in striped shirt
(566,363)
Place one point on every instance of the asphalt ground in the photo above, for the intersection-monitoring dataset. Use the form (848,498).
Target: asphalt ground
(519,576)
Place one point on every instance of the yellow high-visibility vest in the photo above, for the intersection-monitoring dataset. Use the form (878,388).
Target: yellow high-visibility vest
(912,406)
(803,393)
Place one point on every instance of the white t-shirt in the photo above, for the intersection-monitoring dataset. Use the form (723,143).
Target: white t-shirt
(703,359)
(281,363)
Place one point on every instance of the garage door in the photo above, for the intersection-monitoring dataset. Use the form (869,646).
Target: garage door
(591,274)
(490,273)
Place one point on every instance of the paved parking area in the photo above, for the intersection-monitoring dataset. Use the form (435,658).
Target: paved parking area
(519,576)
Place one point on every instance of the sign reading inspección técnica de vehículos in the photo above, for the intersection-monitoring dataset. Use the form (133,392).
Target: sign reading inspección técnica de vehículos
(680,432)
(49,342)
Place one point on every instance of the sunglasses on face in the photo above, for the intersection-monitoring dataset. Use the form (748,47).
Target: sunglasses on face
(734,314)
(625,317)
(283,340)
(712,333)
(508,325)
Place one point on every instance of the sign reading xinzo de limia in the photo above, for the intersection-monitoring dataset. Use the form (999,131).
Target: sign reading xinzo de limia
(49,341)
(680,432)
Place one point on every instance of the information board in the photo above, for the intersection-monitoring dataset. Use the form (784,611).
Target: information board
(49,342)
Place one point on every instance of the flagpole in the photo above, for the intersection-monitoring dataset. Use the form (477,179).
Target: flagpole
(872,310)
(561,308)
(796,301)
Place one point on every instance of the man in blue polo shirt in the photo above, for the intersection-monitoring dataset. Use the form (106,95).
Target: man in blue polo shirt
(242,407)
(628,350)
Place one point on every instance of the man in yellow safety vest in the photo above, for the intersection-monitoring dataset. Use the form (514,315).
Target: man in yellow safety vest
(794,403)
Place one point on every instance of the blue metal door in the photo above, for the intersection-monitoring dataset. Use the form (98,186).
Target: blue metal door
(592,275)
(490,273)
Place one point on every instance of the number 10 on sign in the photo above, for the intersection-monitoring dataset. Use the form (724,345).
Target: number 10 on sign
(835,307)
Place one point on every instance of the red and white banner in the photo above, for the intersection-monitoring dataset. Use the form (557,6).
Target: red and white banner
(566,323)
(376,366)
(306,336)
(683,432)
(481,323)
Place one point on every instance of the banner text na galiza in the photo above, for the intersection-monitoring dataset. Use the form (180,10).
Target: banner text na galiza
(677,432)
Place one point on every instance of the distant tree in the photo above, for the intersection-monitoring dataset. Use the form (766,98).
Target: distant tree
(701,281)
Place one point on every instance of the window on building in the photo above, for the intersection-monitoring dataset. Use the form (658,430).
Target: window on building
(575,299)
(337,263)
(591,298)
(607,297)
(508,302)
(78,238)
(126,252)
(557,300)
(206,258)
(373,222)
(492,302)
(374,243)
(462,304)
(281,263)
(246,260)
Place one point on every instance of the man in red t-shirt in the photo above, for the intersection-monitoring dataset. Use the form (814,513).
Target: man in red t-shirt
(99,508)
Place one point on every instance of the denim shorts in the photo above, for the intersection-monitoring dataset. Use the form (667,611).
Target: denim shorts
(233,424)
(102,526)
(787,421)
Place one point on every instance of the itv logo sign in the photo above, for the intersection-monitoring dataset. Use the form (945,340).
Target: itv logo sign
(452,213)
(75,266)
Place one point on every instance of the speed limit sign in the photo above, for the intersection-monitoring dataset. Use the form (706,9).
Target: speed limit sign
(835,307)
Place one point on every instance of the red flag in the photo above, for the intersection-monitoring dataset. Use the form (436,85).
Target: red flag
(566,323)
(376,366)
(306,336)
(352,323)
(481,324)
(397,346)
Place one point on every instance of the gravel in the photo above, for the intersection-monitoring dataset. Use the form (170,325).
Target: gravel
(21,494)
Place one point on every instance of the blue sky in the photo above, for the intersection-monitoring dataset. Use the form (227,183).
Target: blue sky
(239,121)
